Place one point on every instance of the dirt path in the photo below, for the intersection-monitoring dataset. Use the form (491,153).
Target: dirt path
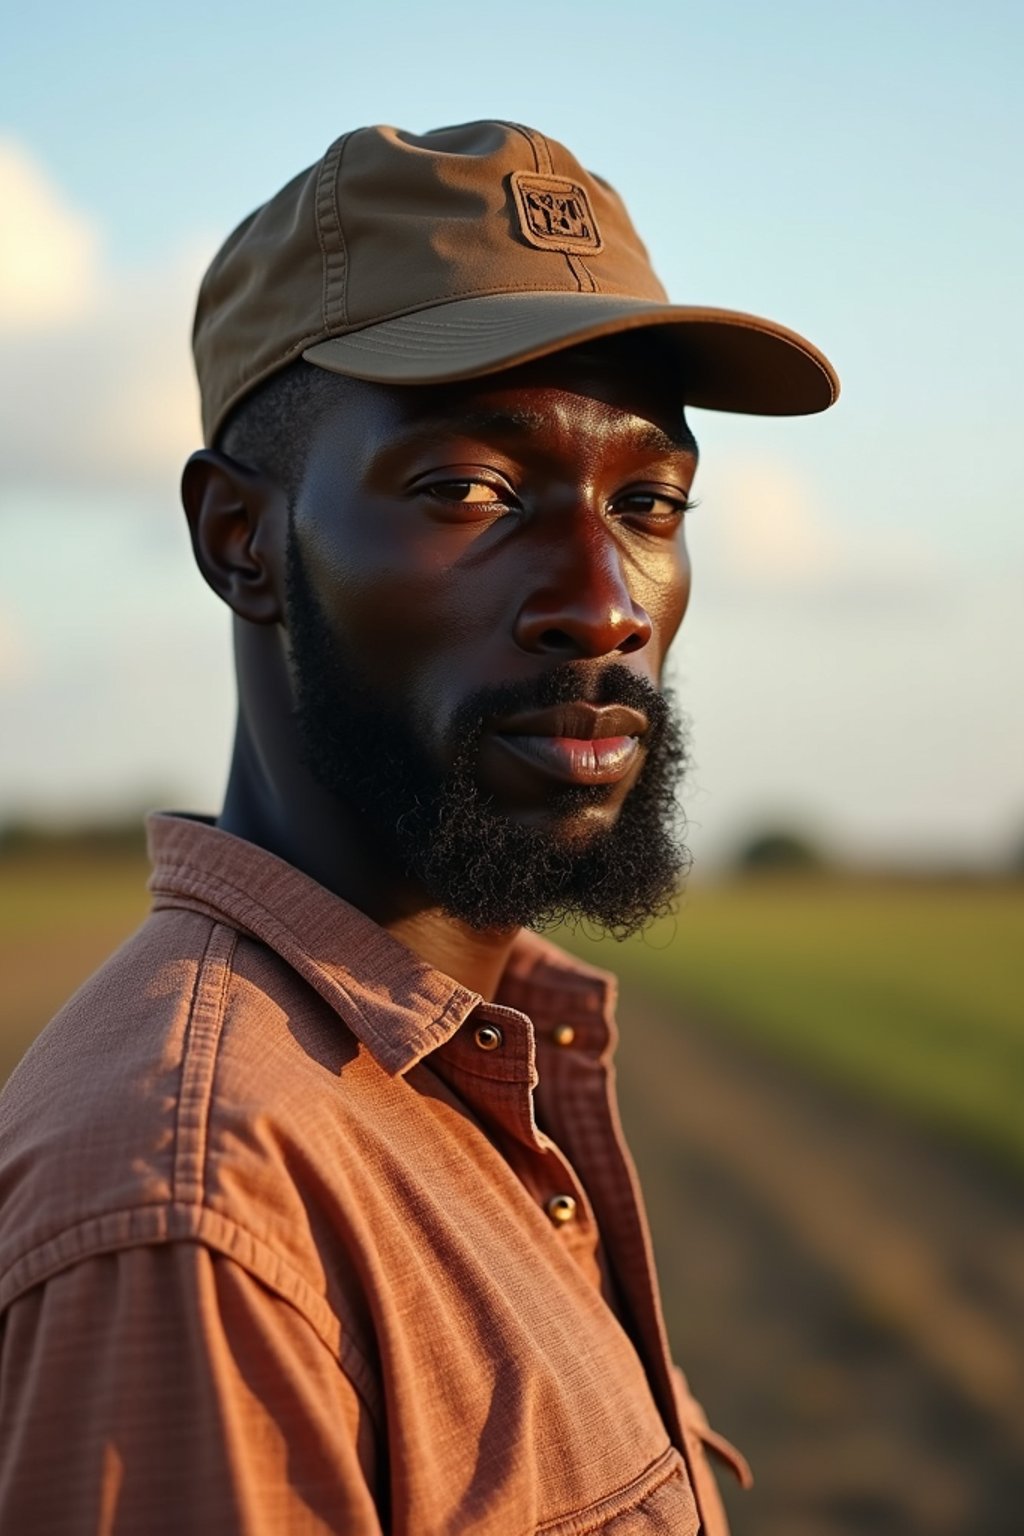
(846,1295)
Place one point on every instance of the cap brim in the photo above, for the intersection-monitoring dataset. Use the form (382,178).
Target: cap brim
(728,361)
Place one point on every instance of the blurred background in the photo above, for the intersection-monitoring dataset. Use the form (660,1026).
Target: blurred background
(823,1055)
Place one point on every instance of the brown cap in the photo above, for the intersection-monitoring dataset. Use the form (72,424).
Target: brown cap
(417,258)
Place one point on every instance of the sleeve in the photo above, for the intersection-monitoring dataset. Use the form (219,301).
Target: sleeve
(164,1389)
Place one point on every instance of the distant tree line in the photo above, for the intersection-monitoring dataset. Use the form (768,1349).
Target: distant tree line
(767,850)
(788,850)
(781,849)
(24,838)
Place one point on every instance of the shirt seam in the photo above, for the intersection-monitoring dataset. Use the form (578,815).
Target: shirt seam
(173,1221)
(202,1041)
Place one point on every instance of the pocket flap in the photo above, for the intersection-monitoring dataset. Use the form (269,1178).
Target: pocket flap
(724,1451)
(695,1421)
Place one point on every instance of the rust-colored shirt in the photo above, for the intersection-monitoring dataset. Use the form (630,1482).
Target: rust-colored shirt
(297,1235)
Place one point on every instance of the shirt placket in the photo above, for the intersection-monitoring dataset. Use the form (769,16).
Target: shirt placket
(491,1064)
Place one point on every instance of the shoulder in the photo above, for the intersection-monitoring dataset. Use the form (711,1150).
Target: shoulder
(167,1100)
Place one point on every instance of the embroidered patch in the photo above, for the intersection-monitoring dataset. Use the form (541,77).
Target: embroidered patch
(554,214)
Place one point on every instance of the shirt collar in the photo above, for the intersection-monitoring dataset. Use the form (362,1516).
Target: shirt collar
(397,1005)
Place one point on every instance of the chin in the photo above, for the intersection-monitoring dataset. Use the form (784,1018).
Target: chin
(575,825)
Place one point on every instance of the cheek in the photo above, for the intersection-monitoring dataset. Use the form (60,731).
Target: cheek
(400,612)
(378,590)
(666,596)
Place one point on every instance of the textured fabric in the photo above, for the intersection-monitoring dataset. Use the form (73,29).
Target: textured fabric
(275,1250)
(414,258)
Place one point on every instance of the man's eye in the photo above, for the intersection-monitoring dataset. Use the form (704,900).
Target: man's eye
(470,500)
(655,506)
(465,491)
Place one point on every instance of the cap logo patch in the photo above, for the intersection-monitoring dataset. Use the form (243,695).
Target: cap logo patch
(554,213)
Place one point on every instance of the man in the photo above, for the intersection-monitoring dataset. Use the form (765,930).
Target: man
(316,1213)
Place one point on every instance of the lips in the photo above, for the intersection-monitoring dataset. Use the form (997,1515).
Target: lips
(575,743)
(580,722)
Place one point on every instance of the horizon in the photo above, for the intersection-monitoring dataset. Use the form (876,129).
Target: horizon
(855,639)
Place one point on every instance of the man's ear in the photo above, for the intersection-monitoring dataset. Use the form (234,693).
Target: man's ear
(238,522)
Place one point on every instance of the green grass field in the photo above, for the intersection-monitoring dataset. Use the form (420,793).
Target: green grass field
(911,992)
(59,917)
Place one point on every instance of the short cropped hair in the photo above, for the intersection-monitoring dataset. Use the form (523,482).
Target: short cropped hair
(270,430)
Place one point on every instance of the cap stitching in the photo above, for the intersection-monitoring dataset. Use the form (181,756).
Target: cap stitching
(343,243)
(542,150)
(473,324)
(320,241)
(595,286)
(439,300)
(335,263)
(544,166)
(584,281)
(531,139)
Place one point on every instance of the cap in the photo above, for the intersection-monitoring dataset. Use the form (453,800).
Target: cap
(419,258)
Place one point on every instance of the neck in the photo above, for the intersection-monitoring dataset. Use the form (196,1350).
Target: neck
(272,801)
(471,957)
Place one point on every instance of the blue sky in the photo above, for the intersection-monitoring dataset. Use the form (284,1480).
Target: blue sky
(853,655)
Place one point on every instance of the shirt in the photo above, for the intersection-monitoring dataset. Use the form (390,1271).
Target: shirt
(298,1234)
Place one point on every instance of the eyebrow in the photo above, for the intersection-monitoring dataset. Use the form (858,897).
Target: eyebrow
(655,440)
(521,422)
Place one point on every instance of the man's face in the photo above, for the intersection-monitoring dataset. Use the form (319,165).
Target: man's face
(484,579)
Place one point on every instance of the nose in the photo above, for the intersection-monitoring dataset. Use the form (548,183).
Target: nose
(583,607)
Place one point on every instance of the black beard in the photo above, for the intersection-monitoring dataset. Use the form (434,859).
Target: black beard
(444,832)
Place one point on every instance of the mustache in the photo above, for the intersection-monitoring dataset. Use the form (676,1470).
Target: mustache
(565,684)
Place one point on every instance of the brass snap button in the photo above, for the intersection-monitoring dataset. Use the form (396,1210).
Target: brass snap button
(561,1208)
(487,1037)
(563,1034)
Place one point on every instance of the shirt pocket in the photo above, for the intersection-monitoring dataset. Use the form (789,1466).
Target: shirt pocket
(660,1502)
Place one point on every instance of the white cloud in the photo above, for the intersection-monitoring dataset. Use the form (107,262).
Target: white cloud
(49,252)
(97,386)
(15,669)
(764,528)
(767,527)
